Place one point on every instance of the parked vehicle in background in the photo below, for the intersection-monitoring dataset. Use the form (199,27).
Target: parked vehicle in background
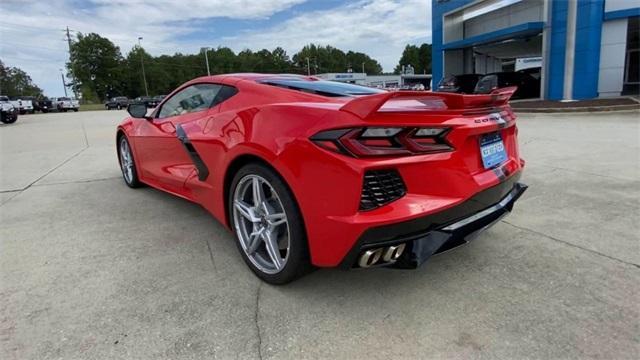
(45,105)
(147,100)
(23,106)
(118,102)
(8,112)
(34,102)
(528,86)
(536,72)
(463,84)
(65,104)
(158,99)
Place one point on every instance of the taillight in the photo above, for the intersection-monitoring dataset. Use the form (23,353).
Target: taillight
(384,141)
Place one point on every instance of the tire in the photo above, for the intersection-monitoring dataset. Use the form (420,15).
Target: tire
(296,262)
(119,107)
(130,178)
(75,110)
(8,119)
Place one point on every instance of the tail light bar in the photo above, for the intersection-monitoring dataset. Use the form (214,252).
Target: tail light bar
(384,141)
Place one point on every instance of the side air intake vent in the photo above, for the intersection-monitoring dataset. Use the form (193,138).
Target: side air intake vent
(381,187)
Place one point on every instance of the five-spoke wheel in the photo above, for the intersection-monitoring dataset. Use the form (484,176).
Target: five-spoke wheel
(127,164)
(267,225)
(261,224)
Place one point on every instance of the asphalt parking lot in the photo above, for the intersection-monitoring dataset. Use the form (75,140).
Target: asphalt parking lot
(90,269)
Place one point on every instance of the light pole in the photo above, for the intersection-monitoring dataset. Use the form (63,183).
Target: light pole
(206,58)
(308,67)
(144,76)
(363,68)
(64,85)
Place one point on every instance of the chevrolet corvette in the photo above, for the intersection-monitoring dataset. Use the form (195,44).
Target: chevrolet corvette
(311,173)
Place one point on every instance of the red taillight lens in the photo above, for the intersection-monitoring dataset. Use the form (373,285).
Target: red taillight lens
(384,141)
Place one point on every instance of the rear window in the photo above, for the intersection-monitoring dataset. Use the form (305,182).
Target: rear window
(322,87)
(449,81)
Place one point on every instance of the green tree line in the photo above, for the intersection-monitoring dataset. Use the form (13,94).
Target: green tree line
(16,82)
(99,70)
(417,56)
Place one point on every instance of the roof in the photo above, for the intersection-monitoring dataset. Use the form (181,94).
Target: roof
(254,76)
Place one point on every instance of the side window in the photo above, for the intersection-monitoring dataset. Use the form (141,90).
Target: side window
(225,93)
(193,98)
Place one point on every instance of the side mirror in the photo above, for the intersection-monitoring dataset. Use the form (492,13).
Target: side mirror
(138,111)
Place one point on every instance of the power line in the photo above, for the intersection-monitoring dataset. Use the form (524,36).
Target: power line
(5,23)
(49,61)
(5,43)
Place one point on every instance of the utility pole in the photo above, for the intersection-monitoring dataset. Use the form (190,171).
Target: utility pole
(69,40)
(64,85)
(144,76)
(363,68)
(206,58)
(68,33)
(308,67)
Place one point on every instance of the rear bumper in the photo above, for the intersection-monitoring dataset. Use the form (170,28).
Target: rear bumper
(435,233)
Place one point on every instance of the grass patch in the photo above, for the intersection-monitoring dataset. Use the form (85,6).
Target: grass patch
(91,107)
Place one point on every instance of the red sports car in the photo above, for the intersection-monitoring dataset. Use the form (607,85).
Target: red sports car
(308,172)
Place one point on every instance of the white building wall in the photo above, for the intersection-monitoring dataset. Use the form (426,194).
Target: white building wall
(612,57)
(518,13)
(485,64)
(613,5)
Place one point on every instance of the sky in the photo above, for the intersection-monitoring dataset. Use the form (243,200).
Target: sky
(32,36)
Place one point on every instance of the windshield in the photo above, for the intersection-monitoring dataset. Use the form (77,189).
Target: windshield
(486,84)
(4,98)
(322,87)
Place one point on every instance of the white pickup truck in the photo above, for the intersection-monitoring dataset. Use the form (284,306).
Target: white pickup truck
(23,106)
(65,104)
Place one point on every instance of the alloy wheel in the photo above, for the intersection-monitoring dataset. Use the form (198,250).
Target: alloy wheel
(126,160)
(261,224)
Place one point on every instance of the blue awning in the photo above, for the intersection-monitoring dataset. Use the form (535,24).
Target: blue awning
(518,31)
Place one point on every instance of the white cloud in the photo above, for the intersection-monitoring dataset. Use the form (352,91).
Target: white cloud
(32,37)
(379,28)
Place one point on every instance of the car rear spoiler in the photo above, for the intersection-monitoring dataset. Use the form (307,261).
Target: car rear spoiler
(366,106)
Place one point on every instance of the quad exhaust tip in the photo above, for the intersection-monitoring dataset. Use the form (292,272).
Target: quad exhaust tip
(388,255)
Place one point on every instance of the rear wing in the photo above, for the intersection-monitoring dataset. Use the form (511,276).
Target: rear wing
(411,101)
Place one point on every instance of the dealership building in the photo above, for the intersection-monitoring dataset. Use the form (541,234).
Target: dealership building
(586,48)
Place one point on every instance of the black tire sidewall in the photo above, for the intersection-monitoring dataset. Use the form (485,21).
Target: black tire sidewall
(298,262)
(8,118)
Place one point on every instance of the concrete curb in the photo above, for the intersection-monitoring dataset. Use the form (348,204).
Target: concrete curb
(579,109)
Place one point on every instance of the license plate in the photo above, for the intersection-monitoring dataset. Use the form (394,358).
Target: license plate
(492,150)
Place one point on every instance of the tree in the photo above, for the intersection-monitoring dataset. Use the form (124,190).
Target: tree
(418,57)
(95,66)
(329,59)
(100,71)
(16,82)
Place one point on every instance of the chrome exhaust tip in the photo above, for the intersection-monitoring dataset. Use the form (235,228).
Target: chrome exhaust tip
(369,257)
(393,253)
(388,255)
